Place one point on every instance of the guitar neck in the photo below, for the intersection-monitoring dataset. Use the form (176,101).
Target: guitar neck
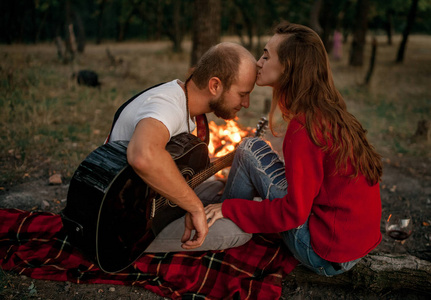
(214,167)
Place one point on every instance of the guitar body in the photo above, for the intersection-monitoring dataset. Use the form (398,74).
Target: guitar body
(110,212)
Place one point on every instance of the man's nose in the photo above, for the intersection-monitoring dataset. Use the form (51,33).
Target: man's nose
(246,102)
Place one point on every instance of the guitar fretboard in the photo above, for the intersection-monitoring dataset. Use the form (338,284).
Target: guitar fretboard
(214,167)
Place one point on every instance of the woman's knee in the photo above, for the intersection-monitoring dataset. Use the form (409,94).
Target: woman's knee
(253,144)
(255,151)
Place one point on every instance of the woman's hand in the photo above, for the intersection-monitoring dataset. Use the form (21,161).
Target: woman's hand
(213,213)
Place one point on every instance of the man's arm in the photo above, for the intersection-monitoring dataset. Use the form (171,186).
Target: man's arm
(148,157)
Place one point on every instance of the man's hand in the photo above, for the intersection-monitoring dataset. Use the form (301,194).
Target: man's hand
(194,221)
(213,213)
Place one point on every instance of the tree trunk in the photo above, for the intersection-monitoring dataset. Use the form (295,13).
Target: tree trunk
(59,45)
(70,35)
(377,273)
(249,21)
(328,23)
(359,33)
(314,17)
(80,33)
(100,22)
(124,26)
(410,22)
(41,25)
(259,23)
(372,61)
(389,25)
(177,34)
(159,20)
(423,131)
(207,27)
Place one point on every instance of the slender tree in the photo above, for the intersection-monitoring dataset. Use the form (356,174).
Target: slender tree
(359,33)
(408,28)
(314,17)
(328,21)
(206,27)
(248,17)
(100,12)
(176,31)
(128,10)
(80,32)
(70,35)
(389,26)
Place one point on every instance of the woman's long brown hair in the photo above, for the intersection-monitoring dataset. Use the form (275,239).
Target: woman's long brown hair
(306,87)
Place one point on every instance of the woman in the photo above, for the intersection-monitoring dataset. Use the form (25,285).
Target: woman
(325,199)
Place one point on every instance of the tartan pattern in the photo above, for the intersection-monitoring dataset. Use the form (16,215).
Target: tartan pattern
(34,244)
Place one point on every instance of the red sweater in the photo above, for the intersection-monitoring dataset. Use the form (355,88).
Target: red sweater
(344,213)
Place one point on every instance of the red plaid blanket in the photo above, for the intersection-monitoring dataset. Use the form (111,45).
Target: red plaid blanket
(34,244)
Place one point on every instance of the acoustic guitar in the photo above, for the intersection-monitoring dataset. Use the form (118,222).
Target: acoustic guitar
(112,215)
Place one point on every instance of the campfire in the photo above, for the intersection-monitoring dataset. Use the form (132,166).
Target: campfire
(225,138)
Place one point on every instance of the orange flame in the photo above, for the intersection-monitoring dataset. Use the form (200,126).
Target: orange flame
(225,138)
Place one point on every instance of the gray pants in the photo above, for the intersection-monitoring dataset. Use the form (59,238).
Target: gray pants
(222,235)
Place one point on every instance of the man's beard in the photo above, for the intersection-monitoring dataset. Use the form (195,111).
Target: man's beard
(220,110)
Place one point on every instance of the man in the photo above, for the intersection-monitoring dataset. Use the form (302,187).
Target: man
(221,83)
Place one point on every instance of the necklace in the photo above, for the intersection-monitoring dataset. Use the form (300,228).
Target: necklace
(187,102)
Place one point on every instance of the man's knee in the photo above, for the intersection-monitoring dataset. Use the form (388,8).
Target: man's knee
(224,234)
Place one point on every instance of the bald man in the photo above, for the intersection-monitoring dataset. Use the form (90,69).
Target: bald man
(220,83)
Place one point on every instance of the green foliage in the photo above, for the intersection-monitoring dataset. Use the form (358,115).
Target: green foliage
(32,21)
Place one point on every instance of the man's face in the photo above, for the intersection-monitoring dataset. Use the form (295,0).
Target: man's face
(231,101)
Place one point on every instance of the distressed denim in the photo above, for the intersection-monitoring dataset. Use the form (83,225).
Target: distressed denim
(257,171)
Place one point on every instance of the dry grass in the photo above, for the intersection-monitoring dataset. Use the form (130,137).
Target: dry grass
(49,123)
(397,97)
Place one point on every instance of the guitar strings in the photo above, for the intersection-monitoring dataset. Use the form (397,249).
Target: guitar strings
(220,164)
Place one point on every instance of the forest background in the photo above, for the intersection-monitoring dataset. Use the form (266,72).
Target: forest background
(76,28)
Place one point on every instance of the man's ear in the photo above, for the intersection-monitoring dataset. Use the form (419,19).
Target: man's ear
(215,86)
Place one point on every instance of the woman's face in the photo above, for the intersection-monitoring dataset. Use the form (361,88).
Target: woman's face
(269,67)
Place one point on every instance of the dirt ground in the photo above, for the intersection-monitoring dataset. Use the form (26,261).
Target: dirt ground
(406,185)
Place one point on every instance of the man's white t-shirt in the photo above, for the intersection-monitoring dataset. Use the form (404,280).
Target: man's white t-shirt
(166,103)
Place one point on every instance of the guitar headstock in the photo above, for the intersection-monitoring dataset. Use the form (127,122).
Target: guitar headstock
(261,127)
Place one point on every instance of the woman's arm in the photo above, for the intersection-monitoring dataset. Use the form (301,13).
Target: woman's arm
(304,174)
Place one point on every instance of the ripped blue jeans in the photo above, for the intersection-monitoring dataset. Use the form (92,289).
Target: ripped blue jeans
(257,171)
